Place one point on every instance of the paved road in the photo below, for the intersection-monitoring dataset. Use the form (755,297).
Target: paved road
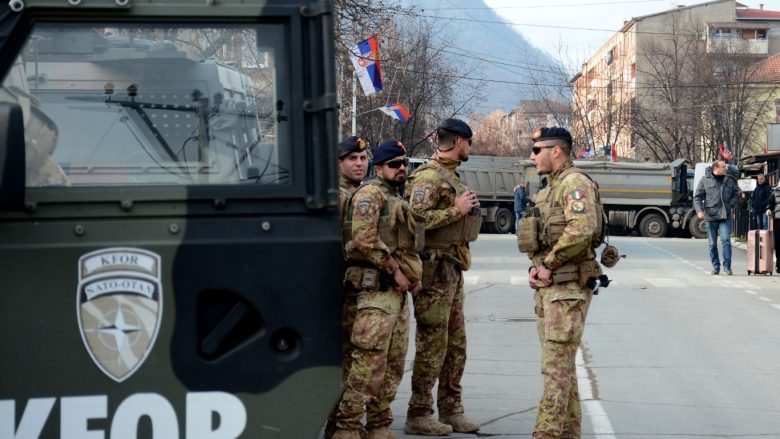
(668,351)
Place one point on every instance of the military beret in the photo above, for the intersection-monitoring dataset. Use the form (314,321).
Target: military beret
(386,151)
(351,144)
(551,134)
(457,126)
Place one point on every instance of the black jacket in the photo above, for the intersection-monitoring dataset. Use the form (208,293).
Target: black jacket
(714,198)
(760,197)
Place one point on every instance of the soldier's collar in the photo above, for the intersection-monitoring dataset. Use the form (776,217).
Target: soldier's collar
(566,165)
(448,163)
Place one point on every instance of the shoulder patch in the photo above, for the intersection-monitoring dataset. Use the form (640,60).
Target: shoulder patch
(578,194)
(419,195)
(363,206)
(578,207)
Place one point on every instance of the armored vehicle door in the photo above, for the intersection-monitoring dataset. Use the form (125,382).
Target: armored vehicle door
(169,233)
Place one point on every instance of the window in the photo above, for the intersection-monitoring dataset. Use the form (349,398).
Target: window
(155,105)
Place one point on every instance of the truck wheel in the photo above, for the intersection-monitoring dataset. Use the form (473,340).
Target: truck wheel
(697,227)
(504,221)
(653,225)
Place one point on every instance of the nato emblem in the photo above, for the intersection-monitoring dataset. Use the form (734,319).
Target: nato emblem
(119,307)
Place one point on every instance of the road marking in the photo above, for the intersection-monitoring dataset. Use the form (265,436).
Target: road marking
(602,427)
(751,292)
(518,280)
(764,299)
(774,305)
(470,279)
(666,282)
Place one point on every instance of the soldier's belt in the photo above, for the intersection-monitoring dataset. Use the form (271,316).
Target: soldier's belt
(580,272)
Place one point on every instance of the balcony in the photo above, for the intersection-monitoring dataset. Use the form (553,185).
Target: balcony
(738,37)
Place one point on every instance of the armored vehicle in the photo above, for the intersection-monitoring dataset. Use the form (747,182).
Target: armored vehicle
(169,232)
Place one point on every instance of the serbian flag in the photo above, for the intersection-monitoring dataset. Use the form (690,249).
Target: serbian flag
(365,59)
(397,111)
(614,157)
(725,152)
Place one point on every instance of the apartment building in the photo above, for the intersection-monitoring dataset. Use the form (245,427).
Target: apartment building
(624,71)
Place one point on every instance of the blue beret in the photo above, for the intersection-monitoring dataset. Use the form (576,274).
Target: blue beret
(457,126)
(551,134)
(386,151)
(351,144)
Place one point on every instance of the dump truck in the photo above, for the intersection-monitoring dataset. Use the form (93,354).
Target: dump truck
(651,199)
(170,242)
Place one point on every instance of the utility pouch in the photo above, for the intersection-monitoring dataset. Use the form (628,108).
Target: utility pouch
(566,273)
(471,228)
(370,279)
(556,223)
(353,276)
(528,234)
(588,270)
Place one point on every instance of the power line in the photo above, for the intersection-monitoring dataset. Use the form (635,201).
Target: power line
(542,6)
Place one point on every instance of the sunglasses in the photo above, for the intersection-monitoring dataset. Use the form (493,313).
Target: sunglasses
(537,149)
(397,163)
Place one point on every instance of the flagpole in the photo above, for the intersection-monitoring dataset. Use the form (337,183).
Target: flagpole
(354,104)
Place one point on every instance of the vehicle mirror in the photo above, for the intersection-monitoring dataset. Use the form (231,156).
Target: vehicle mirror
(12,156)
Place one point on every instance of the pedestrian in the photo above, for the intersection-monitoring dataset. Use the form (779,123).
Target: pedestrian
(715,196)
(773,211)
(353,164)
(521,200)
(561,245)
(758,200)
(451,222)
(383,263)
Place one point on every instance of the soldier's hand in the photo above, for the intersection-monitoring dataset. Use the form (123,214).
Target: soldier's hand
(532,277)
(700,215)
(466,201)
(401,282)
(416,287)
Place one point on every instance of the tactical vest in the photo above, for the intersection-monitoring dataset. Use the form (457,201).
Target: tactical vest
(460,232)
(392,227)
(542,232)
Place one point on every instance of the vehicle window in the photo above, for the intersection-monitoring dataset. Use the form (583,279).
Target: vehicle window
(126,104)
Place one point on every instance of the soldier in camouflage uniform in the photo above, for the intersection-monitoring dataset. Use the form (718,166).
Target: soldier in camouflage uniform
(384,240)
(353,165)
(560,242)
(451,222)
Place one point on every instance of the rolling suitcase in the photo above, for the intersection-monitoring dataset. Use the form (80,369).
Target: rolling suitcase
(759,252)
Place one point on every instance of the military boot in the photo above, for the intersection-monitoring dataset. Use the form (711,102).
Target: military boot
(345,434)
(459,423)
(426,426)
(381,433)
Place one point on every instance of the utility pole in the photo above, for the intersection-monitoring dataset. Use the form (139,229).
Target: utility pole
(354,104)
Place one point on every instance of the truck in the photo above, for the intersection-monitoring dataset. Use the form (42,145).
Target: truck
(170,243)
(651,199)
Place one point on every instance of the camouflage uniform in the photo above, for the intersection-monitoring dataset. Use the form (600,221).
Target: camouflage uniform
(379,334)
(441,331)
(568,224)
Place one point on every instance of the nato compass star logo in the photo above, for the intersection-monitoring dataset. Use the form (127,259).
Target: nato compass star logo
(119,306)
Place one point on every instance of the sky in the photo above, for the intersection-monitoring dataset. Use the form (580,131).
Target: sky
(569,26)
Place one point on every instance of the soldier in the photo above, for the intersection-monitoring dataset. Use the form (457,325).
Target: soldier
(353,164)
(560,241)
(451,222)
(384,240)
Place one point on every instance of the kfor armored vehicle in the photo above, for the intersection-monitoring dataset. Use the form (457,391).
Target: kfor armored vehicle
(169,231)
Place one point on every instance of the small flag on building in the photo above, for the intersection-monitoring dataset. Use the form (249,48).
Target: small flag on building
(397,111)
(614,157)
(365,59)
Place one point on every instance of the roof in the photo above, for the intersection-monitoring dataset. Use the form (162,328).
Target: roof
(738,25)
(757,14)
(768,70)
(680,8)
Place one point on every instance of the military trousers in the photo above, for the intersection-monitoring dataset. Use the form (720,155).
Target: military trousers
(561,311)
(377,346)
(440,341)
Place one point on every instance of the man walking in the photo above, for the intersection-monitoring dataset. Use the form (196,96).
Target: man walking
(715,196)
(451,222)
(383,241)
(562,251)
